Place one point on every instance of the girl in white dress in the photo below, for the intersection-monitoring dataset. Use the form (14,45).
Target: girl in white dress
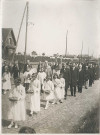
(35,96)
(17,110)
(49,88)
(41,76)
(62,80)
(57,88)
(6,82)
(27,79)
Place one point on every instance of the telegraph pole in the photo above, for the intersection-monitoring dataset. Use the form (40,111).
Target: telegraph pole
(26,32)
(88,54)
(19,32)
(66,44)
(81,51)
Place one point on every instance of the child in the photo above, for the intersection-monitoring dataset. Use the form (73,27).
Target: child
(41,76)
(49,87)
(6,83)
(57,86)
(35,96)
(27,79)
(17,108)
(62,80)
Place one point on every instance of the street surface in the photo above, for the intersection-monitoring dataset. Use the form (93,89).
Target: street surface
(59,118)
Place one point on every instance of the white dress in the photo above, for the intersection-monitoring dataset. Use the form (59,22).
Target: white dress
(50,87)
(33,70)
(35,97)
(56,71)
(26,77)
(62,80)
(41,76)
(7,83)
(57,88)
(17,111)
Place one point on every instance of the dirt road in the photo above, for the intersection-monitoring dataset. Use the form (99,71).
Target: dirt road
(60,118)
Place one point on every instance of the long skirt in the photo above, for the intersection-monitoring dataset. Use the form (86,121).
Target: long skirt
(17,111)
(50,96)
(62,92)
(57,92)
(35,102)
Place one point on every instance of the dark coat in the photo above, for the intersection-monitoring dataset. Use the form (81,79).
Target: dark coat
(15,71)
(86,75)
(80,78)
(74,77)
(91,73)
(66,75)
(25,67)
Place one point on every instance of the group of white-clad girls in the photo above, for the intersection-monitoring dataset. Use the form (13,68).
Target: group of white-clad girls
(53,89)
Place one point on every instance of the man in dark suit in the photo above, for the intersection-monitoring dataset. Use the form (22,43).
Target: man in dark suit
(15,71)
(66,74)
(74,79)
(80,78)
(90,75)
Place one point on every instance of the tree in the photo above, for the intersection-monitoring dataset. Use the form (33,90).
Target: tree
(56,55)
(33,53)
(43,54)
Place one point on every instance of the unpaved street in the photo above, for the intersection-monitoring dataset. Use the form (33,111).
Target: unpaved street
(60,118)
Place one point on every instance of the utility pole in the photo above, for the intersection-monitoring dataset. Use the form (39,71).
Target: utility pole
(66,44)
(81,51)
(19,32)
(26,32)
(88,54)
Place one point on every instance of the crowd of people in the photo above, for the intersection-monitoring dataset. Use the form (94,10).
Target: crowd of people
(48,80)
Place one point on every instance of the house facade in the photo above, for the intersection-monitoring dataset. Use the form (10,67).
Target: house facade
(8,43)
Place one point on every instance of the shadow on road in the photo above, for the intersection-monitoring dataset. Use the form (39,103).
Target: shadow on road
(42,105)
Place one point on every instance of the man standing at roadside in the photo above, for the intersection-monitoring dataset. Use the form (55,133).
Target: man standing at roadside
(66,75)
(74,79)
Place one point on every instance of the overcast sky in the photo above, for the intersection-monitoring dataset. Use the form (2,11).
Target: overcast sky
(52,19)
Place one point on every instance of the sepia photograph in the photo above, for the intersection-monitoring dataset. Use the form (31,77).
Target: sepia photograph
(50,66)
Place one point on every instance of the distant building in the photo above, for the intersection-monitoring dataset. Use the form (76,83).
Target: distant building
(8,43)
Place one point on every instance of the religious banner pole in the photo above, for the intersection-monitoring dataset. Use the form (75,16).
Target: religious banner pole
(26,33)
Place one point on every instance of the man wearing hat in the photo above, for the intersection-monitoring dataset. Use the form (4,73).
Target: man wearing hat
(74,79)
(80,79)
(66,74)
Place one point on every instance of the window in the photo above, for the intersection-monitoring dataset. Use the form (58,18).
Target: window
(10,40)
